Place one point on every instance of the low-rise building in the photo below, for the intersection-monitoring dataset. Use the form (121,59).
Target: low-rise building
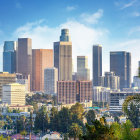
(6,78)
(117,100)
(13,94)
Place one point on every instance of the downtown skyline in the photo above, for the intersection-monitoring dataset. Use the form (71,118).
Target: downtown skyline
(115,27)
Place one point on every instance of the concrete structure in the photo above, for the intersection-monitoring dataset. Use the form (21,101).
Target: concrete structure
(9,56)
(24,56)
(69,92)
(84,91)
(66,92)
(120,64)
(42,59)
(111,81)
(83,71)
(63,56)
(52,136)
(97,64)
(50,80)
(117,100)
(13,94)
(6,78)
(136,81)
(101,94)
(74,76)
(24,80)
(84,104)
(21,108)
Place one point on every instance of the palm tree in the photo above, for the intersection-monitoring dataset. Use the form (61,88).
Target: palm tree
(75,131)
(130,99)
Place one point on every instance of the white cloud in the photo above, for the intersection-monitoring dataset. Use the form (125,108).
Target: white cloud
(136,14)
(70,8)
(92,18)
(82,36)
(126,5)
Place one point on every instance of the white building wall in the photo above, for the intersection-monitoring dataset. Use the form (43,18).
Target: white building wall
(14,94)
(50,80)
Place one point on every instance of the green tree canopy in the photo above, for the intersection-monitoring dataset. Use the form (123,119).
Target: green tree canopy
(78,110)
(42,120)
(98,131)
(90,116)
(75,131)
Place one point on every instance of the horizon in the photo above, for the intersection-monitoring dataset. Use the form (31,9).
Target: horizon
(113,23)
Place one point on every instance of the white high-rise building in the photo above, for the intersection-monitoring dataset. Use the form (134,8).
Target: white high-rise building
(13,94)
(50,80)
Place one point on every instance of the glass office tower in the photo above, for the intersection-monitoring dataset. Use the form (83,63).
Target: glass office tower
(97,64)
(9,56)
(120,64)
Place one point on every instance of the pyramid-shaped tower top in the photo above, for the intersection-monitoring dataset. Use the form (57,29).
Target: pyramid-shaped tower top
(65,35)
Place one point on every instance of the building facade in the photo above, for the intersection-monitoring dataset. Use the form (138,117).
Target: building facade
(24,57)
(63,56)
(50,80)
(136,81)
(84,91)
(6,78)
(66,92)
(120,64)
(101,94)
(97,64)
(9,56)
(111,81)
(69,92)
(24,80)
(13,94)
(83,71)
(117,100)
(41,59)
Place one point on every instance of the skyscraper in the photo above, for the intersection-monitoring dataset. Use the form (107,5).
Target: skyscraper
(63,56)
(50,80)
(41,59)
(24,56)
(120,64)
(9,56)
(83,71)
(97,64)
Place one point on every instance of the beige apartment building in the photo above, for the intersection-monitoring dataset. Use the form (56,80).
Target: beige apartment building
(6,78)
(13,94)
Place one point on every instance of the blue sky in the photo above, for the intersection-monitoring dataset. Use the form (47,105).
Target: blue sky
(115,24)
